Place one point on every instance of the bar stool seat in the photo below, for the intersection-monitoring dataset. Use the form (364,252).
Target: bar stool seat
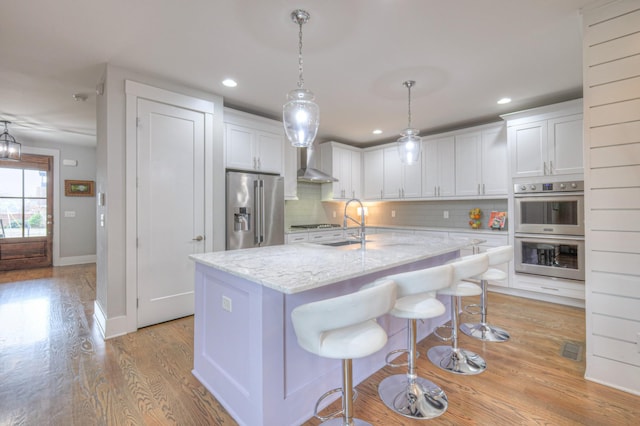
(452,358)
(344,327)
(483,330)
(408,394)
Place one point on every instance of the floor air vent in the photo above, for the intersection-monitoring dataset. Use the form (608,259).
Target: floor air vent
(572,351)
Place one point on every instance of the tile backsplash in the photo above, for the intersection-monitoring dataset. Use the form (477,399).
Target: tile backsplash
(310,209)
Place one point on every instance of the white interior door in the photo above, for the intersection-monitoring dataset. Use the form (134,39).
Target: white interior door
(170,219)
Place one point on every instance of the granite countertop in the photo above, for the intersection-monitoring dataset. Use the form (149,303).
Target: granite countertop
(294,268)
(407,228)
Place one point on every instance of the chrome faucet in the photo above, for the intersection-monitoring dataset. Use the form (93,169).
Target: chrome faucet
(361,223)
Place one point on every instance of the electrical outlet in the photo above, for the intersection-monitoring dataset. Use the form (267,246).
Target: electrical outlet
(393,213)
(445,214)
(226,304)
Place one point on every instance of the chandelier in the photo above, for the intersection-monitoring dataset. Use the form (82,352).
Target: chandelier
(301,115)
(409,142)
(9,148)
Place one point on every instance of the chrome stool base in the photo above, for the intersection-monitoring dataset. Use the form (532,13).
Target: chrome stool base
(417,398)
(457,361)
(485,332)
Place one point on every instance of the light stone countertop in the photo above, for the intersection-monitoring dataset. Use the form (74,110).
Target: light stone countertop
(294,268)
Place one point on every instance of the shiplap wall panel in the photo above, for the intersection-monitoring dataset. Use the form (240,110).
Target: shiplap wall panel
(616,328)
(626,23)
(617,263)
(614,92)
(611,177)
(608,372)
(616,198)
(616,306)
(616,220)
(611,50)
(618,112)
(616,241)
(613,71)
(619,350)
(621,285)
(615,156)
(618,134)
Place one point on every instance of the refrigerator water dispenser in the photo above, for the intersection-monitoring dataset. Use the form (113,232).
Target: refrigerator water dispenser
(241,219)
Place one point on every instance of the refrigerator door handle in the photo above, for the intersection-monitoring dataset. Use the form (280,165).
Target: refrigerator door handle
(257,232)
(262,212)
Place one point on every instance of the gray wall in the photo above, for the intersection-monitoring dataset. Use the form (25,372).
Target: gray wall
(77,234)
(310,209)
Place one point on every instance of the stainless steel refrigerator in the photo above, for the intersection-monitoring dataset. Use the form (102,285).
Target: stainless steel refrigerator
(255,210)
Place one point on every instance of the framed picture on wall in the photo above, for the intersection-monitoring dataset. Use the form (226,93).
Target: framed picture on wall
(78,188)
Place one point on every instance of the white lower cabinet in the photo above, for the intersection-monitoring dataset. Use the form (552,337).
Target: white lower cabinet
(553,286)
(298,237)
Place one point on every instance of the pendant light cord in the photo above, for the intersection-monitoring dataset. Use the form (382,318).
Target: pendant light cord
(300,79)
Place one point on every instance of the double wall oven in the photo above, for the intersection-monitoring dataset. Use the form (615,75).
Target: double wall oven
(549,229)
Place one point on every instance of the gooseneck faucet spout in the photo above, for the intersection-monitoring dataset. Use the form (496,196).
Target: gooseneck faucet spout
(361,223)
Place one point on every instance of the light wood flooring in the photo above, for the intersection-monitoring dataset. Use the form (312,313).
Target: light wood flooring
(55,369)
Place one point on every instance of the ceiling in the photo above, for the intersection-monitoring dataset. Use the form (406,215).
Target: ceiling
(464,55)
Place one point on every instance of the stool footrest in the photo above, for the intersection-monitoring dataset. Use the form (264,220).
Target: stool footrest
(326,395)
(391,364)
(441,337)
(470,309)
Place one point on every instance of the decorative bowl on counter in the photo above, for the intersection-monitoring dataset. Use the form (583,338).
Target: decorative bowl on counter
(474,218)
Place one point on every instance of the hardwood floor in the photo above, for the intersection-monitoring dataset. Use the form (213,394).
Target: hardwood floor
(55,369)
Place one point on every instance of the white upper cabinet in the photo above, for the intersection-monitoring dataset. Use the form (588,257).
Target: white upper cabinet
(438,167)
(400,180)
(546,141)
(373,164)
(253,143)
(481,162)
(290,172)
(345,164)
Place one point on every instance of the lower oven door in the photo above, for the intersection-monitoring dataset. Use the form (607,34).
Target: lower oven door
(551,257)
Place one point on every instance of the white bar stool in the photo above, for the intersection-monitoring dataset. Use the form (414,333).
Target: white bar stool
(344,327)
(483,330)
(452,358)
(407,394)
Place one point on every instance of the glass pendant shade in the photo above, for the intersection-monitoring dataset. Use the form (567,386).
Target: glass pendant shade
(9,148)
(409,146)
(301,117)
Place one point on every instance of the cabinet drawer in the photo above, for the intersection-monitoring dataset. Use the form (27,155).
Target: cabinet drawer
(319,236)
(564,288)
(297,238)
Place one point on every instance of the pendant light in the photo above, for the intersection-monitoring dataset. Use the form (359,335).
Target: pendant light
(301,115)
(409,143)
(9,148)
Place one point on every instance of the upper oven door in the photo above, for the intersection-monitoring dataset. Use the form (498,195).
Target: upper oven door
(551,215)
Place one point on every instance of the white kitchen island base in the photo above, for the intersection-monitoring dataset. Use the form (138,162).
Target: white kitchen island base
(245,350)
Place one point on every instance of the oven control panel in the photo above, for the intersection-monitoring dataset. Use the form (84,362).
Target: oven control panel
(529,188)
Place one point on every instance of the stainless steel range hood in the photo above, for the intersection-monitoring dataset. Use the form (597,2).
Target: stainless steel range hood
(307,173)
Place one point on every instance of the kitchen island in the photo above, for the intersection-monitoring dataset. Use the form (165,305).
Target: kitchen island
(245,349)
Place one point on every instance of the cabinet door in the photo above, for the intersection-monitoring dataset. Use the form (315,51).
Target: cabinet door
(412,180)
(270,152)
(495,175)
(565,145)
(240,147)
(438,167)
(392,173)
(528,147)
(356,174)
(372,175)
(290,172)
(468,164)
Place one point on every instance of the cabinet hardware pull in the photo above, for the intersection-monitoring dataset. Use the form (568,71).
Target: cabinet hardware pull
(544,166)
(550,167)
(550,288)
(483,193)
(478,189)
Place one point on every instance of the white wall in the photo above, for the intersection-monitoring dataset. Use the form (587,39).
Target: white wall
(111,286)
(612,192)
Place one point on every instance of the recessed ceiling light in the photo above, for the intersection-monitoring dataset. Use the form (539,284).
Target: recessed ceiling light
(229,82)
(377,132)
(504,101)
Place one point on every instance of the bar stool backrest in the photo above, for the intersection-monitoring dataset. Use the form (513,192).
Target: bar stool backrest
(469,266)
(500,255)
(312,320)
(423,281)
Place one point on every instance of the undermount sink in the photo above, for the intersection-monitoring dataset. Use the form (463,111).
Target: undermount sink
(342,243)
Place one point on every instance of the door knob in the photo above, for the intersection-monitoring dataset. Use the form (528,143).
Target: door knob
(198,238)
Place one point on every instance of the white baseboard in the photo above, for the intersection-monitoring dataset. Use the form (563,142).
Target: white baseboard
(76,260)
(110,327)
